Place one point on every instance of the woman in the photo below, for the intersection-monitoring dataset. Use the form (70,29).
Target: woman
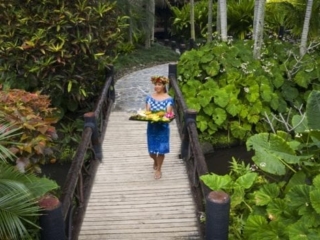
(158,133)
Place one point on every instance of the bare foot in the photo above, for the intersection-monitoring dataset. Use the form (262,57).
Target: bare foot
(155,167)
(157,174)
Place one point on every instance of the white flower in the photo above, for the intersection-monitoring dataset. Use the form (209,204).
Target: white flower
(246,89)
(263,164)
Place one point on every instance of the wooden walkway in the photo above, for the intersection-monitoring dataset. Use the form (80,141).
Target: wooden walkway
(126,201)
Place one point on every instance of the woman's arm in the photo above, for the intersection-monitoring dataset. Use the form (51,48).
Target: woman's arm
(148,107)
(170,106)
(148,104)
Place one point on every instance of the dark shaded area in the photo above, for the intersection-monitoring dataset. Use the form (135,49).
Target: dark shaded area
(219,161)
(56,171)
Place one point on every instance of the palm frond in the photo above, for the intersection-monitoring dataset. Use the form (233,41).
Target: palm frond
(7,133)
(35,185)
(18,202)
(15,209)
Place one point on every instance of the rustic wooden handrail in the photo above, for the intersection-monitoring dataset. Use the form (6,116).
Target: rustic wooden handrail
(191,151)
(77,188)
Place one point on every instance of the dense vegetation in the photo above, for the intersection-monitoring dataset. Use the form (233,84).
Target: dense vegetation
(233,92)
(53,57)
(61,48)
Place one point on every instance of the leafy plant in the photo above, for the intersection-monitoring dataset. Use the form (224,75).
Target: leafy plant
(18,203)
(60,48)
(7,132)
(181,20)
(69,132)
(240,18)
(31,115)
(231,91)
(277,198)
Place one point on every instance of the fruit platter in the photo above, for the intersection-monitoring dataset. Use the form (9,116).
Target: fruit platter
(147,116)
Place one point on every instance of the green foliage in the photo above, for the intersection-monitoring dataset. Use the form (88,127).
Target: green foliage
(19,210)
(31,115)
(7,132)
(277,153)
(232,92)
(181,22)
(141,57)
(70,133)
(278,197)
(296,16)
(240,18)
(60,48)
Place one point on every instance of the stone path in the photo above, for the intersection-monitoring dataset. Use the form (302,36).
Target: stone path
(132,89)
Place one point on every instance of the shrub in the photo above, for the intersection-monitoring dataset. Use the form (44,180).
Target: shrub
(232,91)
(29,112)
(60,48)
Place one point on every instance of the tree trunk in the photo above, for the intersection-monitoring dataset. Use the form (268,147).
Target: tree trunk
(209,39)
(193,34)
(259,29)
(152,18)
(255,16)
(218,28)
(129,12)
(305,30)
(148,28)
(223,19)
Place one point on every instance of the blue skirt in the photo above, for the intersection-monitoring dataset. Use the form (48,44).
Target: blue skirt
(158,138)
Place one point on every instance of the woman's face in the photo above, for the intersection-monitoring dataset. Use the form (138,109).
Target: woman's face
(159,87)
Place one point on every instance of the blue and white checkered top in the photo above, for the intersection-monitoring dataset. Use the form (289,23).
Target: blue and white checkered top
(159,105)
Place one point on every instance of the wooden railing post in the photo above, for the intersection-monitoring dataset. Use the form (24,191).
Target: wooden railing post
(112,92)
(90,121)
(173,71)
(217,215)
(189,116)
(51,219)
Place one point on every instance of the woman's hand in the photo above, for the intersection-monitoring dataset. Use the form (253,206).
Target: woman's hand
(169,115)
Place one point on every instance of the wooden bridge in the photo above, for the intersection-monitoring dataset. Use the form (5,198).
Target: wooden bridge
(126,201)
(110,191)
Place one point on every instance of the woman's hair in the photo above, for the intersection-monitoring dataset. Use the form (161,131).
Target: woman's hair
(162,79)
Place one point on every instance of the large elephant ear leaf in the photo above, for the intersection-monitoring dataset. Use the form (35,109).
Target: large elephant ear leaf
(215,181)
(301,123)
(313,110)
(272,153)
(247,180)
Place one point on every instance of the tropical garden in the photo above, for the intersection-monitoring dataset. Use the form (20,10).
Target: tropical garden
(256,81)
(252,75)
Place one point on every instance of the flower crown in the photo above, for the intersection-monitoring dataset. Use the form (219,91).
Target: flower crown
(162,79)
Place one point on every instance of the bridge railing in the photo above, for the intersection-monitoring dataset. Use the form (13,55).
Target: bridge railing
(191,151)
(79,181)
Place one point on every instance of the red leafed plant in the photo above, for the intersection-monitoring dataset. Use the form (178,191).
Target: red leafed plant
(32,114)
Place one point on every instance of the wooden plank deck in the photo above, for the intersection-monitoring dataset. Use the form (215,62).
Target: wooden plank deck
(126,201)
